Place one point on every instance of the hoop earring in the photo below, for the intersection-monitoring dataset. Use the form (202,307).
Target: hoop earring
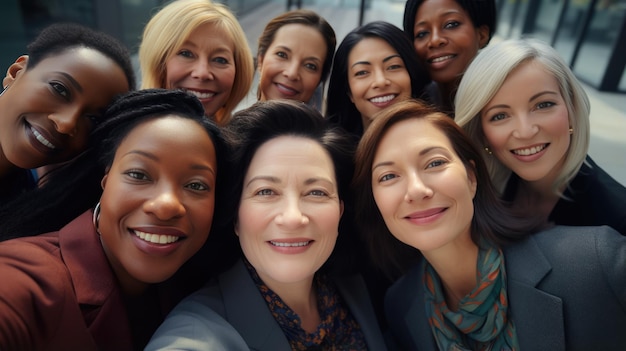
(96,217)
(488,151)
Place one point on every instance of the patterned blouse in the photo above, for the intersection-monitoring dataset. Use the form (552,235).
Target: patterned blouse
(338,330)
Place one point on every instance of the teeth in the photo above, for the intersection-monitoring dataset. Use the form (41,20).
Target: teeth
(200,95)
(531,151)
(382,99)
(276,243)
(442,58)
(42,140)
(156,238)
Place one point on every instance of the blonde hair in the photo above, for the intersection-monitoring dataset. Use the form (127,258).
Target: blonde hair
(172,25)
(484,77)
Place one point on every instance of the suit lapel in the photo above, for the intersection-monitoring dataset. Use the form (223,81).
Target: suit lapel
(537,315)
(248,313)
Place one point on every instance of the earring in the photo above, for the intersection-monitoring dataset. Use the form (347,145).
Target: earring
(571,130)
(96,217)
(488,151)
(4,89)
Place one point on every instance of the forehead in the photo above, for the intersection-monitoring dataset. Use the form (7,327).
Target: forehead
(296,33)
(371,48)
(68,58)
(436,8)
(211,32)
(411,134)
(288,151)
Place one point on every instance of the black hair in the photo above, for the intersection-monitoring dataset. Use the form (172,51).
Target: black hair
(266,120)
(59,37)
(74,187)
(340,109)
(481,12)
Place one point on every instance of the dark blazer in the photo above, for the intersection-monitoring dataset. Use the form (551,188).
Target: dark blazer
(235,297)
(593,197)
(566,286)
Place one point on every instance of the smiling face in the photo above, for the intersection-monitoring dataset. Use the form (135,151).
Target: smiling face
(526,124)
(204,66)
(446,40)
(421,187)
(292,65)
(158,200)
(377,77)
(290,209)
(48,110)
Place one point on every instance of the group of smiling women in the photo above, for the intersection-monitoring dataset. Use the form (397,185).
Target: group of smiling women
(439,197)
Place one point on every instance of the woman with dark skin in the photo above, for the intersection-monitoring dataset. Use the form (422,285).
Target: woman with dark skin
(107,279)
(49,104)
(447,35)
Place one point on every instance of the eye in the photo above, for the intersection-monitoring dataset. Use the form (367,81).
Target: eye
(185,53)
(360,73)
(60,89)
(281,54)
(137,175)
(545,104)
(318,192)
(395,66)
(197,186)
(386,177)
(436,163)
(420,34)
(221,60)
(311,66)
(265,192)
(497,117)
(451,24)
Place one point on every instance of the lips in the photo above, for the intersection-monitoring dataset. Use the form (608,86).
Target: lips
(440,58)
(286,90)
(156,238)
(528,151)
(427,213)
(383,100)
(291,244)
(201,94)
(42,139)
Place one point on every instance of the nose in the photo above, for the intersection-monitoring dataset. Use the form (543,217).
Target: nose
(380,79)
(66,122)
(291,71)
(202,70)
(291,215)
(525,128)
(165,205)
(417,189)
(437,39)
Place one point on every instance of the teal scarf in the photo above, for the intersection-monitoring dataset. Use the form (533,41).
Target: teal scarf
(481,322)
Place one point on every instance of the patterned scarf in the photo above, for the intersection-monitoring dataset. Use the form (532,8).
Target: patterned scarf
(338,330)
(481,322)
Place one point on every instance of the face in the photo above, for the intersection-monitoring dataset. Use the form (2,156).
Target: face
(422,188)
(290,209)
(526,124)
(446,40)
(204,66)
(48,110)
(158,199)
(292,66)
(377,77)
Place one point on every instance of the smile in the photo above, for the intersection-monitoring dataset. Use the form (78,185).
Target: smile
(42,140)
(298,244)
(442,58)
(529,151)
(156,238)
(200,95)
(383,99)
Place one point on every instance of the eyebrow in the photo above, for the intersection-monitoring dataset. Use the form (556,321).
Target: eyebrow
(276,180)
(72,81)
(369,63)
(534,97)
(421,153)
(153,157)
(450,12)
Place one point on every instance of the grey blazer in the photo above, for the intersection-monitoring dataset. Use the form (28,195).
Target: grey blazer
(234,299)
(566,286)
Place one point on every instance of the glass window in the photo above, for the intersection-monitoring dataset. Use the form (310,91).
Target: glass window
(547,19)
(571,27)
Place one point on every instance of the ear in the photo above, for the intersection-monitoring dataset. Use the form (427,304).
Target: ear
(259,63)
(471,177)
(340,208)
(103,182)
(483,35)
(15,70)
(236,229)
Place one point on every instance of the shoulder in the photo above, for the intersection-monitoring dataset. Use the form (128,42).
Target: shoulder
(39,293)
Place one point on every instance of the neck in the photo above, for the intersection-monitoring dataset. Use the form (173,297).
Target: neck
(301,297)
(456,268)
(447,93)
